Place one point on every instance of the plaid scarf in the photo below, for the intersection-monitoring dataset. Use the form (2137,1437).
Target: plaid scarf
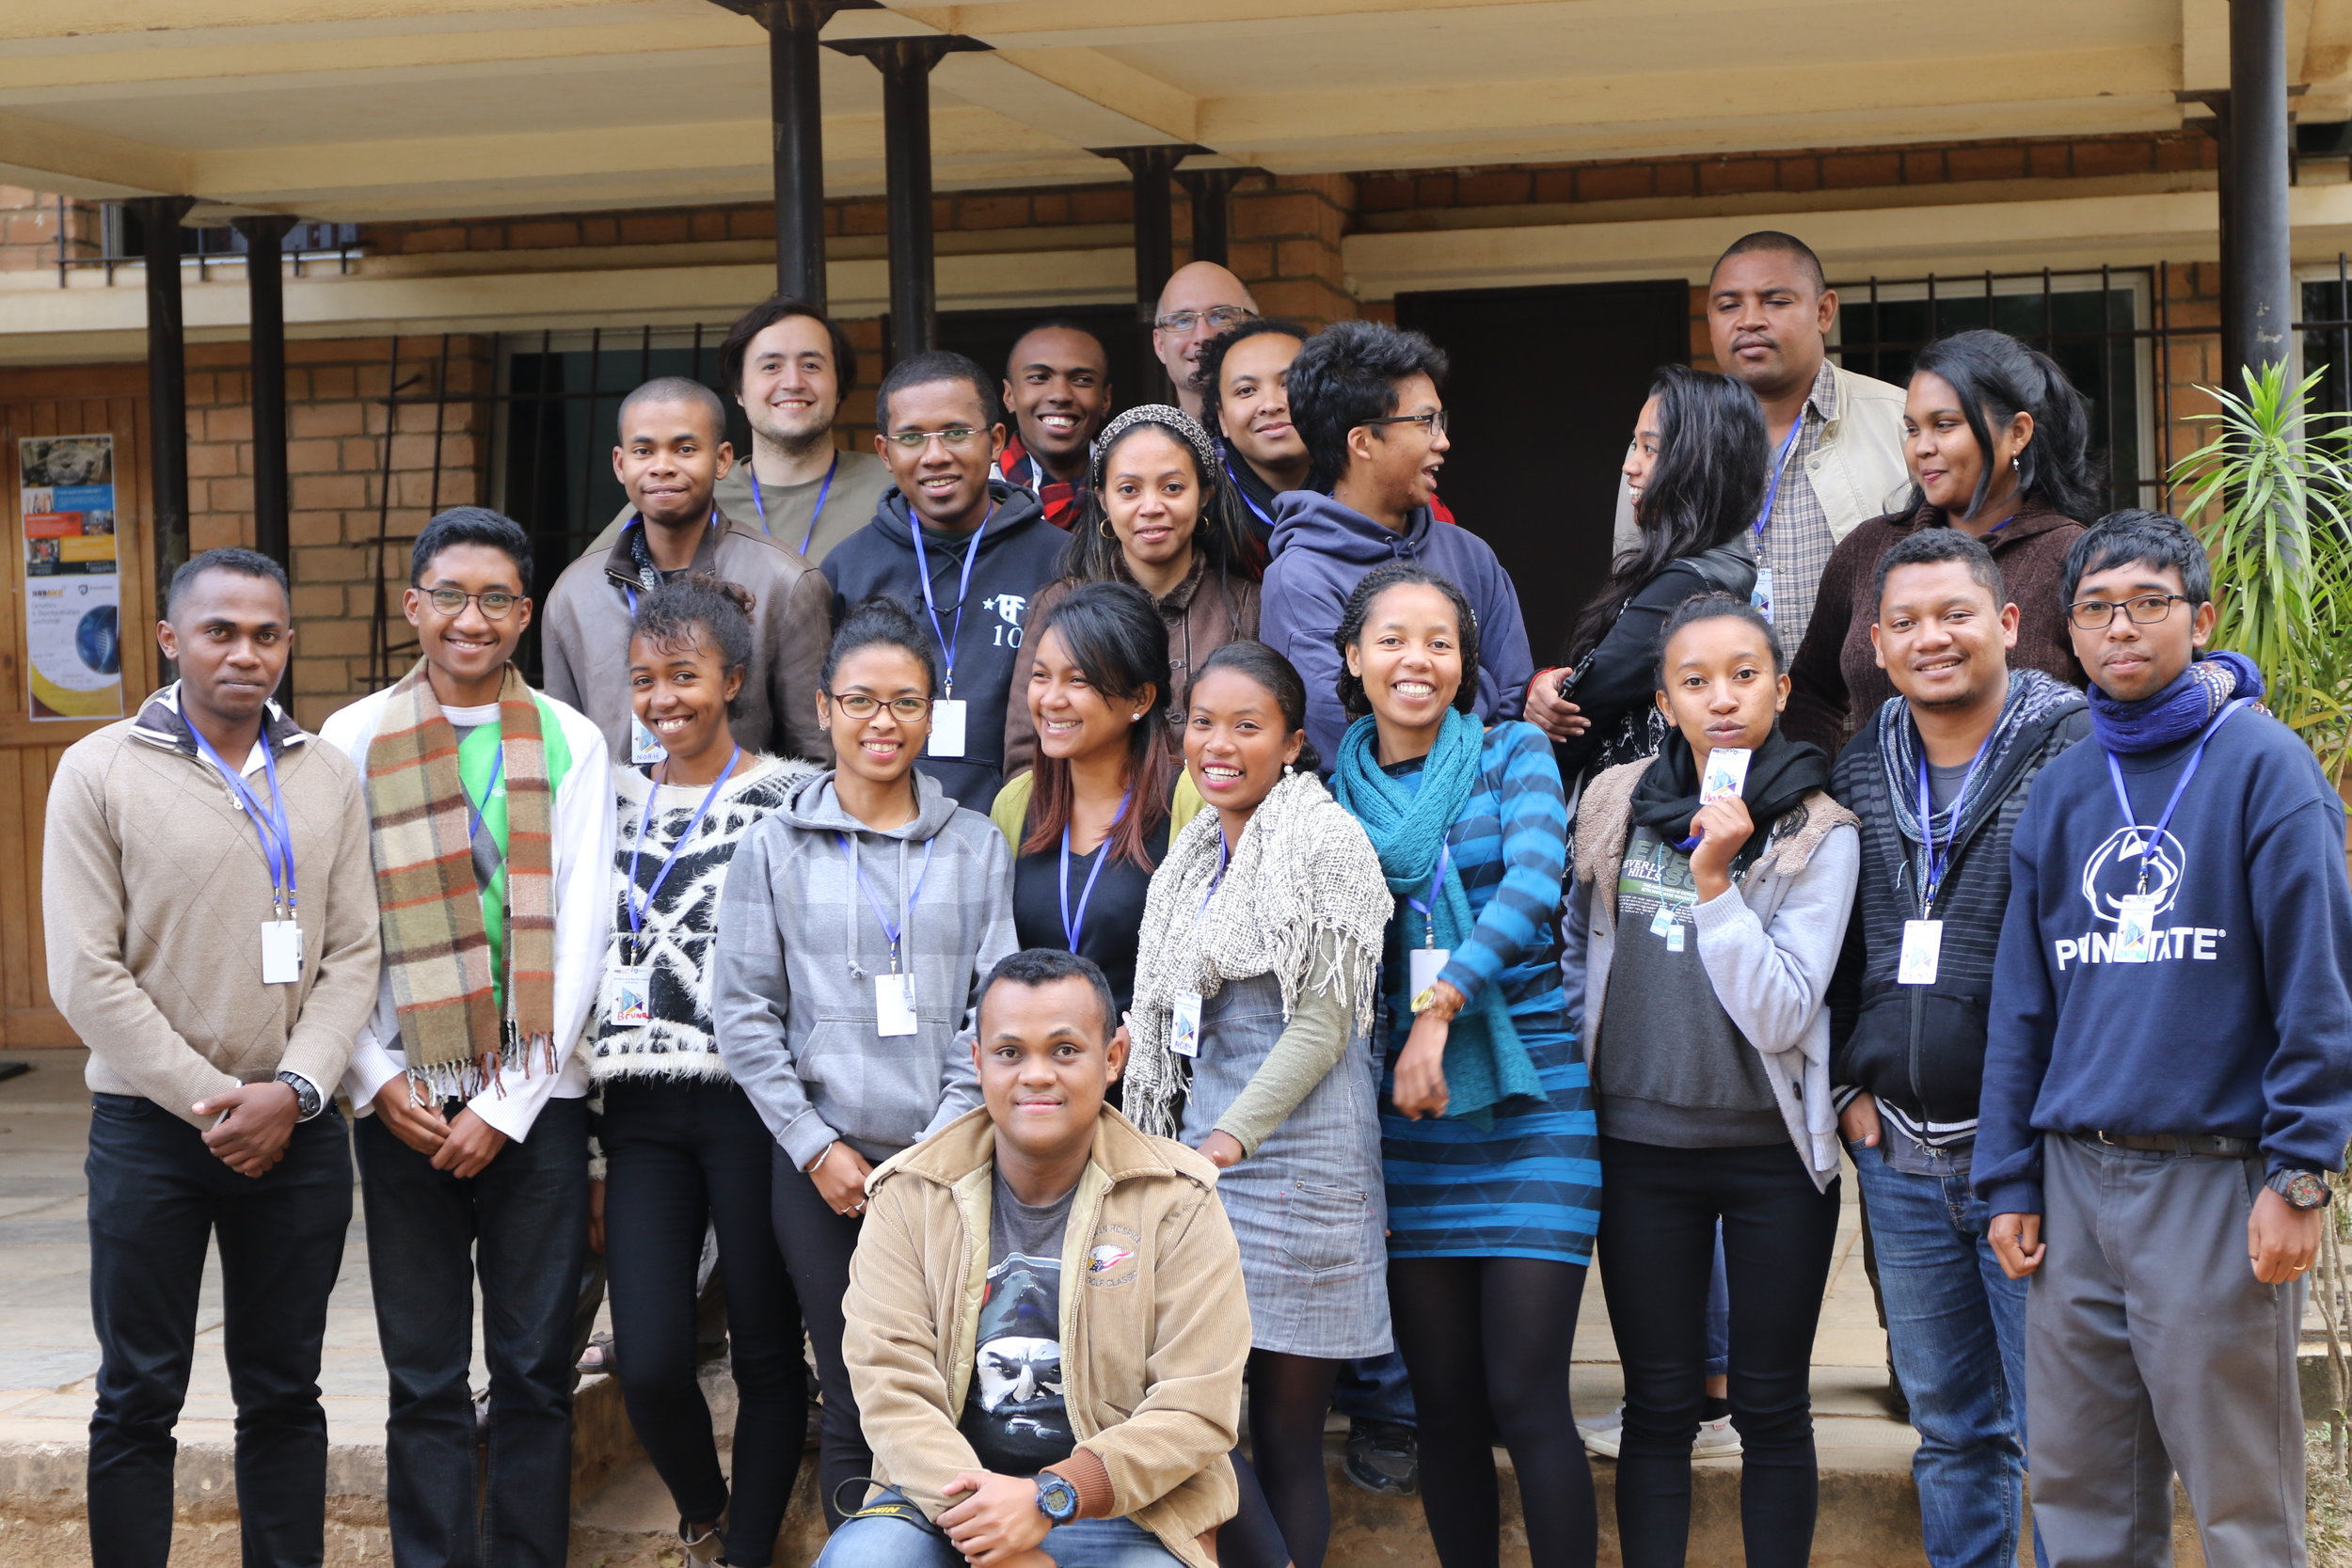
(437,950)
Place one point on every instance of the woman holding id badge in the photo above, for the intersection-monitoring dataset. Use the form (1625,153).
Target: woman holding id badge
(1486,1121)
(1712,886)
(1252,1008)
(852,935)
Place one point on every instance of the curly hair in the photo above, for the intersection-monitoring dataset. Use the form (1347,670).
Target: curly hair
(700,610)
(1404,574)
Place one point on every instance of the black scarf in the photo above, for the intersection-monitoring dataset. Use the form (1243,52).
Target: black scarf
(1782,773)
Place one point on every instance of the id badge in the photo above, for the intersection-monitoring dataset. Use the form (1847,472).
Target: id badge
(2136,928)
(628,993)
(894,1005)
(1726,773)
(1675,936)
(1423,966)
(1664,922)
(1762,595)
(643,746)
(1923,950)
(281,952)
(946,728)
(1183,1033)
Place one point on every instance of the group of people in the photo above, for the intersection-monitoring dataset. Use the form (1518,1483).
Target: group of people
(1188,960)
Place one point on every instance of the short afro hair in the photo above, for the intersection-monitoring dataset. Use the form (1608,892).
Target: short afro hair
(1932,546)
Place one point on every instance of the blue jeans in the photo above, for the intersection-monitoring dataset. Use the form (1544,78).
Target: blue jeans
(1376,1390)
(893,1540)
(1956,1326)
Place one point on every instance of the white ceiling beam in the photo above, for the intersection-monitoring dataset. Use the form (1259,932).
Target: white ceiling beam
(50,157)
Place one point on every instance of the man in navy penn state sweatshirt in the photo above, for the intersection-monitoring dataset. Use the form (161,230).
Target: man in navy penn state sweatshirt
(2169,1074)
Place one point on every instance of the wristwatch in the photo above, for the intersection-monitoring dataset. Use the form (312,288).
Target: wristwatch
(308,1102)
(2302,1189)
(1057,1498)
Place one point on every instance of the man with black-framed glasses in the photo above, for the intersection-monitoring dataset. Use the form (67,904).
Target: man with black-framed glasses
(959,547)
(2168,1076)
(1201,301)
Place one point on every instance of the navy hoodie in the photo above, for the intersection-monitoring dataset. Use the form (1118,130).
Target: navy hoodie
(1019,553)
(1323,549)
(2242,1023)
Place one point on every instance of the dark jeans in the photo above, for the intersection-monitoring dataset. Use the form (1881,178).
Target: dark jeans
(816,1243)
(679,1155)
(1659,1212)
(522,1224)
(157,1198)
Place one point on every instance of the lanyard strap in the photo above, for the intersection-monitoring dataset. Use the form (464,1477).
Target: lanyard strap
(276,832)
(1224,856)
(1234,480)
(1437,880)
(760,505)
(963,590)
(2131,819)
(1771,491)
(639,909)
(1071,927)
(907,896)
(1937,861)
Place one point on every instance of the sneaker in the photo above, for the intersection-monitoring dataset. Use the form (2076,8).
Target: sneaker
(1383,1457)
(1717,1439)
(1605,1434)
(704,1549)
(1602,1434)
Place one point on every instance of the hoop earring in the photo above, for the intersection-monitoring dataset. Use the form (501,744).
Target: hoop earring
(1105,526)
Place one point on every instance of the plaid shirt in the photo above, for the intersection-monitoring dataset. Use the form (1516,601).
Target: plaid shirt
(1796,541)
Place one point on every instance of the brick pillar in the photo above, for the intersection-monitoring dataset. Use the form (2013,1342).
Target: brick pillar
(1286,232)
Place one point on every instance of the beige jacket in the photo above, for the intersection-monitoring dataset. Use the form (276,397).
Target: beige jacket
(155,890)
(585,625)
(1155,1326)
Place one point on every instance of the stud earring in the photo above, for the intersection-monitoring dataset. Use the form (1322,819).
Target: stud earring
(1286,769)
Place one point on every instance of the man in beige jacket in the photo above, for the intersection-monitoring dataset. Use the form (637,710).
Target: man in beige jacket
(1048,1327)
(212,935)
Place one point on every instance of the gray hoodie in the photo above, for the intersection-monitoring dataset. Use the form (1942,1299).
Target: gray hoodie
(792,995)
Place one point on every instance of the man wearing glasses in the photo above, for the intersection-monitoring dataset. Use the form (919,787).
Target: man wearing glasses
(958,545)
(2168,1074)
(1201,301)
(1365,399)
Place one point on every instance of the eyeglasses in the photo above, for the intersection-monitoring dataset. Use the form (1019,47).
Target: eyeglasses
(2145,611)
(452,602)
(916,440)
(1435,422)
(857,705)
(1222,317)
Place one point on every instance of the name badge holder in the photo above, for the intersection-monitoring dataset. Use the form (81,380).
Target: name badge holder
(1183,1031)
(948,735)
(628,985)
(1922,954)
(281,934)
(2137,938)
(894,993)
(1423,964)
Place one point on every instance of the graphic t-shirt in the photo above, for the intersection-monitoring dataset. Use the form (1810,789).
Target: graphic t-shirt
(1015,1417)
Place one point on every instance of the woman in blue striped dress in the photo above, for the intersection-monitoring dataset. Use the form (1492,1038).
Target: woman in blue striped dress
(1488,1144)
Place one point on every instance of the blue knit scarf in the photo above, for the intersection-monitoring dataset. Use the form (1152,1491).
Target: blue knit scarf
(1485,1061)
(2179,710)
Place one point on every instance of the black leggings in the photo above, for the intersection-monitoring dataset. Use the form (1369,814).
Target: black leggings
(679,1155)
(817,1244)
(1488,1342)
(1658,1208)
(1285,1494)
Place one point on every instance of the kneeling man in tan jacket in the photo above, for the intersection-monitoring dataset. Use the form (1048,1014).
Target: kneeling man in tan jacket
(1046,1321)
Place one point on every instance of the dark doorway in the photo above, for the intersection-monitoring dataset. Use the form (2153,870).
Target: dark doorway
(988,336)
(1545,386)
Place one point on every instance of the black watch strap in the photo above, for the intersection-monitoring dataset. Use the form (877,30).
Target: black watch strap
(307,1100)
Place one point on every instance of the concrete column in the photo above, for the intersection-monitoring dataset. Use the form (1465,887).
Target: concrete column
(2260,302)
(167,384)
(265,296)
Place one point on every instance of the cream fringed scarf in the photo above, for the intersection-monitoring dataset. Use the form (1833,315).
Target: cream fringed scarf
(1304,873)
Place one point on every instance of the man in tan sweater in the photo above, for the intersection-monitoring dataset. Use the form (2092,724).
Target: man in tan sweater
(212,936)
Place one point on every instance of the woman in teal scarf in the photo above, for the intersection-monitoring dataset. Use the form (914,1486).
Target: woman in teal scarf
(1487,1140)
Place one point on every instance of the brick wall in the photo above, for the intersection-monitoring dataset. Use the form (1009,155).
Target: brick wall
(29,228)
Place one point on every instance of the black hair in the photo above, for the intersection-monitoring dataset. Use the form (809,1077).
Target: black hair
(1403,574)
(880,622)
(1279,676)
(1346,375)
(471,525)
(1115,636)
(736,345)
(233,559)
(1704,489)
(1039,967)
(676,389)
(1773,242)
(700,609)
(1717,606)
(1220,533)
(1212,366)
(1998,378)
(1932,546)
(2131,534)
(933,365)
(1059,324)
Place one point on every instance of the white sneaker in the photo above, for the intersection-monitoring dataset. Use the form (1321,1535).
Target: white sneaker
(1602,1434)
(1717,1439)
(1605,1434)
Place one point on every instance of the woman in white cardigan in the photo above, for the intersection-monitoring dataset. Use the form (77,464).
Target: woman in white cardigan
(1711,888)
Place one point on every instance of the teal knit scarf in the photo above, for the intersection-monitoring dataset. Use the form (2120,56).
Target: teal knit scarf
(1485,1061)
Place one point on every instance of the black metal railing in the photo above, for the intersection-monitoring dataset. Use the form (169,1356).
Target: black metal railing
(201,248)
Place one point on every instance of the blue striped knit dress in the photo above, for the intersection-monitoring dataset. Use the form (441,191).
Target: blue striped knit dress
(1528,1185)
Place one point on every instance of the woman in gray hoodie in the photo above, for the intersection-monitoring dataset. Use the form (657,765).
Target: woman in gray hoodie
(856,925)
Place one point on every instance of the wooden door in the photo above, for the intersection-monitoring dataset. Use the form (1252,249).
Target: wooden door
(59,402)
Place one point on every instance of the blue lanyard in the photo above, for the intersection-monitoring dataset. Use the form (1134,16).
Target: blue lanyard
(639,909)
(629,590)
(277,833)
(1938,859)
(1771,491)
(1224,855)
(823,490)
(2131,819)
(1437,880)
(1234,480)
(963,589)
(1071,928)
(907,897)
(488,792)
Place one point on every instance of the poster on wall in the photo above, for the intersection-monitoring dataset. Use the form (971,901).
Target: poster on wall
(72,575)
